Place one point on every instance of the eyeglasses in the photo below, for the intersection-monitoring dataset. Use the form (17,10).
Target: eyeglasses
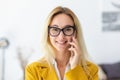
(67,31)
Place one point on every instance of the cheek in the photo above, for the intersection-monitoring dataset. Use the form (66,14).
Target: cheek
(70,39)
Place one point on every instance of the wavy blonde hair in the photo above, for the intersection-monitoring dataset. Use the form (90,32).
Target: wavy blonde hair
(48,48)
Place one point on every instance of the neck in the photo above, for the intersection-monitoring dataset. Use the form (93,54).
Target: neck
(62,58)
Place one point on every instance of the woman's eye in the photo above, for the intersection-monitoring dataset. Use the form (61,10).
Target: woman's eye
(68,29)
(55,29)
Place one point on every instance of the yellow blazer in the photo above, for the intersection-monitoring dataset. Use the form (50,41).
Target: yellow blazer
(43,71)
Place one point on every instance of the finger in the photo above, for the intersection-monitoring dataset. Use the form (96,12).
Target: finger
(72,49)
(75,47)
(73,44)
(74,40)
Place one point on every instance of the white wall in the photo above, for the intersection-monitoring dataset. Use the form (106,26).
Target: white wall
(21,21)
(0,66)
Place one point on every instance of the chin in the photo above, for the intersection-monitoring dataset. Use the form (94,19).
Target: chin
(61,48)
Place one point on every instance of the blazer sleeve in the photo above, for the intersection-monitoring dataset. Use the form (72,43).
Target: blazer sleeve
(79,74)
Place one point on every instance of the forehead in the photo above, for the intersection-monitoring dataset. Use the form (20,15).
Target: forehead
(62,20)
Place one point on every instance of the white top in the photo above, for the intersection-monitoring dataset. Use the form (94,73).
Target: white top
(57,71)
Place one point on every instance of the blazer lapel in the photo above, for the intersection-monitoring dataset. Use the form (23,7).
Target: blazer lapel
(48,72)
(52,74)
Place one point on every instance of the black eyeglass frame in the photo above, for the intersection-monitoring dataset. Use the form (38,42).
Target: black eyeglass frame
(74,29)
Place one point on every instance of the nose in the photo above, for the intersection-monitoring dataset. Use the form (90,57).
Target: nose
(61,35)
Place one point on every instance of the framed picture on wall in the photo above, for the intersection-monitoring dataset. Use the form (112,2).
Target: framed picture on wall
(111,15)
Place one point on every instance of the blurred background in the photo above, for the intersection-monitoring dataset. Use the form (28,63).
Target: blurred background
(21,23)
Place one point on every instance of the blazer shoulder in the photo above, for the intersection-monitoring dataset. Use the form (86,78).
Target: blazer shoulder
(37,70)
(92,65)
(93,68)
(38,64)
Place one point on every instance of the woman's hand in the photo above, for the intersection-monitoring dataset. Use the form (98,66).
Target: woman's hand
(75,53)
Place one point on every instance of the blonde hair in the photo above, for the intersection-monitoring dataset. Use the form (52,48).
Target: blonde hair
(48,48)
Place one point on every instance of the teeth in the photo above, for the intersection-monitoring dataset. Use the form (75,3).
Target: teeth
(62,42)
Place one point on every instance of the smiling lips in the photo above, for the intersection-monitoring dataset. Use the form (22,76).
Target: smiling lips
(61,42)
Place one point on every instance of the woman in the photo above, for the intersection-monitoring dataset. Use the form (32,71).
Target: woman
(66,54)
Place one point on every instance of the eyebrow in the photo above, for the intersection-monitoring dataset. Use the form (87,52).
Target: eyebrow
(64,26)
(55,25)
